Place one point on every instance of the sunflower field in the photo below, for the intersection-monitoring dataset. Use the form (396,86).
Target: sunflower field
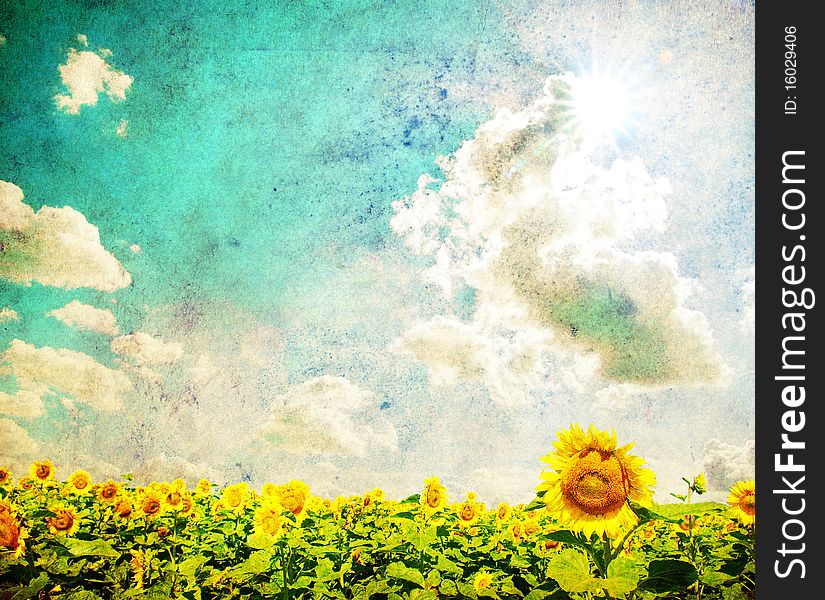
(591,532)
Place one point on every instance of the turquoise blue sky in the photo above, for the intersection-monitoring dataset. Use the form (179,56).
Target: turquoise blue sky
(258,180)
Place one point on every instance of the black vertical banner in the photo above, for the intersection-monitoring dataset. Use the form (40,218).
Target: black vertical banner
(789,231)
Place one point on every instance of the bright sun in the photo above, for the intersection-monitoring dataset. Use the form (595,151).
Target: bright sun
(602,105)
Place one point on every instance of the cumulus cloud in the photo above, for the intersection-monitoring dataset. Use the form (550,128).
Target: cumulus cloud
(558,247)
(724,464)
(83,316)
(54,246)
(8,314)
(145,349)
(455,351)
(326,415)
(23,403)
(86,75)
(18,449)
(43,370)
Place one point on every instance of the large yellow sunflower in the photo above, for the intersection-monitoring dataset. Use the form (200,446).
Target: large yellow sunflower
(743,500)
(79,483)
(5,477)
(108,491)
(269,518)
(41,470)
(151,502)
(591,481)
(434,496)
(293,496)
(234,497)
(64,522)
(468,512)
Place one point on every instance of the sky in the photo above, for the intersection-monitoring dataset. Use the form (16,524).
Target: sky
(363,243)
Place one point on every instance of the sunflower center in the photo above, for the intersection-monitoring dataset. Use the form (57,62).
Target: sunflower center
(748,504)
(63,522)
(151,506)
(108,492)
(42,471)
(433,497)
(596,482)
(468,512)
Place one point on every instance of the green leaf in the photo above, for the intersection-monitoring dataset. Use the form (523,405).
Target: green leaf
(423,595)
(566,537)
(535,504)
(445,565)
(537,595)
(714,578)
(433,578)
(399,570)
(325,570)
(188,567)
(668,575)
(257,563)
(572,572)
(677,511)
(260,541)
(90,548)
(622,576)
(646,514)
(423,539)
(735,592)
(35,585)
(448,587)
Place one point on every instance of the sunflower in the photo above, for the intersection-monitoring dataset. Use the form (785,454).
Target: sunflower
(700,484)
(108,491)
(25,483)
(269,490)
(41,470)
(269,518)
(293,496)
(468,512)
(124,508)
(503,512)
(174,495)
(12,535)
(79,483)
(64,522)
(234,497)
(151,502)
(434,497)
(204,488)
(743,500)
(138,564)
(483,580)
(592,480)
(5,477)
(187,505)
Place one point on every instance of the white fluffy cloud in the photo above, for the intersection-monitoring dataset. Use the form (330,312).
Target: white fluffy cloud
(83,316)
(724,464)
(145,349)
(559,250)
(18,449)
(43,370)
(54,246)
(8,314)
(455,351)
(23,403)
(748,321)
(85,76)
(326,415)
